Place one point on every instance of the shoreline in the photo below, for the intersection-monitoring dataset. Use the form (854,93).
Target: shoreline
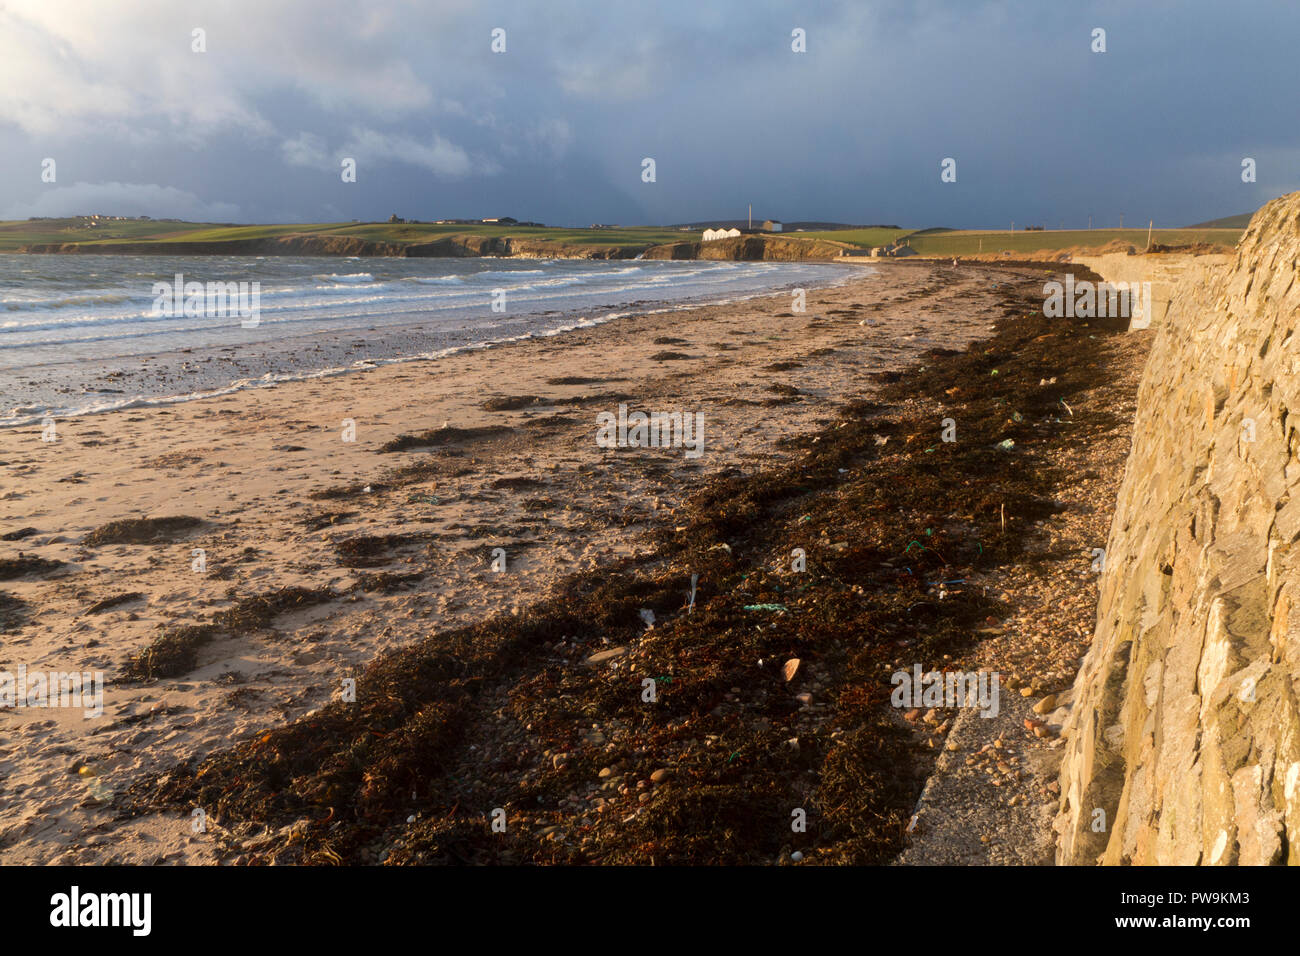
(255,367)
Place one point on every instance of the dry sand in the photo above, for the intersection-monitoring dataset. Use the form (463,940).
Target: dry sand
(249,464)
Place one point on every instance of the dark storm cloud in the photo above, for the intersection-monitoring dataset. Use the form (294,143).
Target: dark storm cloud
(1043,130)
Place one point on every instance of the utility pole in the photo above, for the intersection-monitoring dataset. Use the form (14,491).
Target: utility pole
(1150,225)
(1090,223)
(751,215)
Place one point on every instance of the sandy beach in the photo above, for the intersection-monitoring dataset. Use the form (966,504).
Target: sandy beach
(392,544)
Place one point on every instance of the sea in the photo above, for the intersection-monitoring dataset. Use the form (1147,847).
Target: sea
(81,334)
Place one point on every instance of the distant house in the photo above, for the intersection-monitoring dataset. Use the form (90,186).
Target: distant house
(711,234)
(502,220)
(772,225)
(394,218)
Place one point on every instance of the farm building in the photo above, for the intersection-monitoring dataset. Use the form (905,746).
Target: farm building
(711,234)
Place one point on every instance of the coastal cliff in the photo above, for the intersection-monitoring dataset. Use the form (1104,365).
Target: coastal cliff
(1183,742)
(750,248)
(454,246)
(459,246)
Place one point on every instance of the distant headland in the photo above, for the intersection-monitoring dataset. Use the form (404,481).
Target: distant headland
(506,236)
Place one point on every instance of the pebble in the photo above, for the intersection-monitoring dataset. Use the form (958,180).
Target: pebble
(1045,705)
(796,856)
(660,776)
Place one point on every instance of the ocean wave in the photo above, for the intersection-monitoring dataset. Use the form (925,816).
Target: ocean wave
(294,301)
(65,302)
(353,277)
(435,280)
(510,272)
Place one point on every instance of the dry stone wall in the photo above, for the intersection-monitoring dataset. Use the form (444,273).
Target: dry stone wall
(1183,742)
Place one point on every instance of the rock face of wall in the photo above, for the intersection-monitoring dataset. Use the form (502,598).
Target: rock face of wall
(1183,744)
(1166,274)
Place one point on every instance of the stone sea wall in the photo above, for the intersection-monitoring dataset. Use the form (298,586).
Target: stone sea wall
(1164,273)
(1183,741)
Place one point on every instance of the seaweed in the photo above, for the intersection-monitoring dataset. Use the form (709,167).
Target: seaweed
(175,651)
(143,530)
(25,564)
(437,437)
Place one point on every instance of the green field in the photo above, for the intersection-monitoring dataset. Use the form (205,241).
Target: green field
(23,232)
(928,242)
(864,238)
(14,235)
(967,242)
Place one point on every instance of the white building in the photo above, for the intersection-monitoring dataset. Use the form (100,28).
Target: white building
(711,234)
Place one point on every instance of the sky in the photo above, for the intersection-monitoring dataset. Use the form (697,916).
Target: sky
(255,127)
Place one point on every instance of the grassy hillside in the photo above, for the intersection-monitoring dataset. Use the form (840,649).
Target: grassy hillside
(1240,221)
(864,238)
(23,232)
(14,235)
(928,242)
(967,242)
